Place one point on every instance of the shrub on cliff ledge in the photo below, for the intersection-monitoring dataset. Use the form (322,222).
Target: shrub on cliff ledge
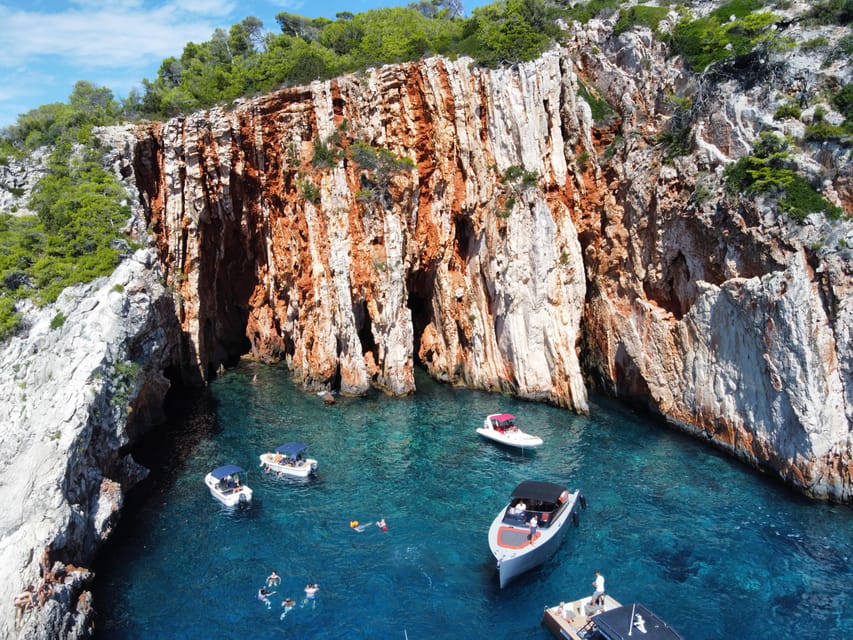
(76,233)
(769,170)
(717,36)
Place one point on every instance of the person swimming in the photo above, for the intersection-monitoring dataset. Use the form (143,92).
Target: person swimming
(311,590)
(287,605)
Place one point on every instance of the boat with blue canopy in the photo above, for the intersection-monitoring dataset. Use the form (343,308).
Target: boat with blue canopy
(226,485)
(289,459)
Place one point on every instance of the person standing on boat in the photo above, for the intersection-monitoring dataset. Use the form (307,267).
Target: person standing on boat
(598,596)
(534,525)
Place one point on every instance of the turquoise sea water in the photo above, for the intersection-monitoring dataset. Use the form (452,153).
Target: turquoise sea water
(714,548)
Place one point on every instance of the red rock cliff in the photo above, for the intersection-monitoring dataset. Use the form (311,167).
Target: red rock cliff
(520,235)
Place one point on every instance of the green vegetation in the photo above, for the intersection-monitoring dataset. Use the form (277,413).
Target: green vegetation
(648,16)
(379,166)
(717,36)
(830,12)
(843,101)
(601,110)
(57,321)
(310,191)
(246,60)
(75,235)
(516,175)
(583,12)
(789,110)
(770,170)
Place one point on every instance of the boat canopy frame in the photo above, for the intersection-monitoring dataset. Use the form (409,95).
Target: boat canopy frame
(502,420)
(226,470)
(291,449)
(538,490)
(621,623)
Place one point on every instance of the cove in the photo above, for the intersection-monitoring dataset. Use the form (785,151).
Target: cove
(716,549)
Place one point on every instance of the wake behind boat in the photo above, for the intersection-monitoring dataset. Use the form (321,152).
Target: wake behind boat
(581,619)
(510,539)
(289,459)
(225,485)
(501,427)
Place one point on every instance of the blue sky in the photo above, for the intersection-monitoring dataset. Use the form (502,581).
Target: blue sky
(48,45)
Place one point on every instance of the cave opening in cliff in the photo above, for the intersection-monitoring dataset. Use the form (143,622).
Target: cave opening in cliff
(365,329)
(227,343)
(420,286)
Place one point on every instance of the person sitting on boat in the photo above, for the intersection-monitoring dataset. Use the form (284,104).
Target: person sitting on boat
(278,457)
(565,611)
(518,509)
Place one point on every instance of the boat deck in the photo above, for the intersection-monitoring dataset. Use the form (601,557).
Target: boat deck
(576,627)
(514,538)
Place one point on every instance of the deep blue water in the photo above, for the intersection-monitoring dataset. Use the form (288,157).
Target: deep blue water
(717,550)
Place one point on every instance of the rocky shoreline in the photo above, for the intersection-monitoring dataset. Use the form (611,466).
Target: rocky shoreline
(730,322)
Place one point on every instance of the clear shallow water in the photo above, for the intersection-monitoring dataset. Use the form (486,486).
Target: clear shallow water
(715,549)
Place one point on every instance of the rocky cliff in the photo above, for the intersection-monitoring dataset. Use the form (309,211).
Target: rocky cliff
(482,225)
(78,386)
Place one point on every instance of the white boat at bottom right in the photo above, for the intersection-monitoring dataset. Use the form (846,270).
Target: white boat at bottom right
(606,620)
(529,529)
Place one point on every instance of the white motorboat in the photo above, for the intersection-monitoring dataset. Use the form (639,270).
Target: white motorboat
(289,459)
(605,620)
(501,427)
(516,546)
(225,485)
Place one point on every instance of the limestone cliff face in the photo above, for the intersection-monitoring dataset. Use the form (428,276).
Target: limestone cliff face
(350,275)
(522,235)
(78,387)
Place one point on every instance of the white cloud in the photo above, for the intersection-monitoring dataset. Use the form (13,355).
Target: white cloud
(96,33)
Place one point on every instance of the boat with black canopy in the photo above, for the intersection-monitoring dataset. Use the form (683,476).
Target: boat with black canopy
(530,528)
(607,619)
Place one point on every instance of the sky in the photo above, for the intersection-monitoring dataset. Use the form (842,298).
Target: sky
(48,45)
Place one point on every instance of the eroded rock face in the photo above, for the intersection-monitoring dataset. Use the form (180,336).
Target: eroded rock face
(523,234)
(70,386)
(721,314)
(350,272)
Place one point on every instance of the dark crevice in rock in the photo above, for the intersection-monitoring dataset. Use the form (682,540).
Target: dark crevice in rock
(420,285)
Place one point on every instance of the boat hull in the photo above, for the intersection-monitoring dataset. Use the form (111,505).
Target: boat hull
(519,440)
(510,546)
(303,469)
(228,497)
